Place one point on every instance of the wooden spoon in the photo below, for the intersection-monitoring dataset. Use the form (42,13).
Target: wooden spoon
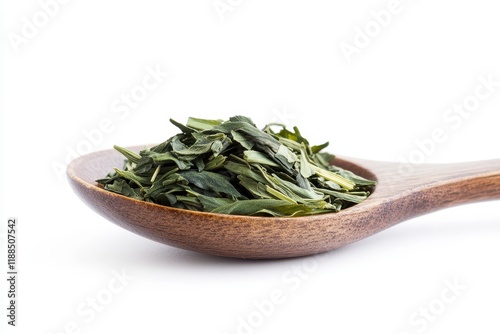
(402,192)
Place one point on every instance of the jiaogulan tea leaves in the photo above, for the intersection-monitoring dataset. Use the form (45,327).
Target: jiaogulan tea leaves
(233,167)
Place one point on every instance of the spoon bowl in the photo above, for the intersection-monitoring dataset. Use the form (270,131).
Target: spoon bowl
(402,192)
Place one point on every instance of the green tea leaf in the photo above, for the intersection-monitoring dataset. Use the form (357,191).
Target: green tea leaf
(202,124)
(252,207)
(244,169)
(161,158)
(215,163)
(131,156)
(182,127)
(232,167)
(305,168)
(285,156)
(122,187)
(256,157)
(317,148)
(210,181)
(243,140)
(212,203)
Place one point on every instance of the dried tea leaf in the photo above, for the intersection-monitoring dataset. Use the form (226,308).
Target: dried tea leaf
(210,181)
(232,167)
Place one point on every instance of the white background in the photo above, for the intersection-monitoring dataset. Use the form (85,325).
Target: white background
(274,61)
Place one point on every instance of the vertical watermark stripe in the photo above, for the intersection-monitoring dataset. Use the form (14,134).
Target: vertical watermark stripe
(12,271)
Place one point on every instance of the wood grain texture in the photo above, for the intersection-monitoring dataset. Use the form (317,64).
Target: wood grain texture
(401,193)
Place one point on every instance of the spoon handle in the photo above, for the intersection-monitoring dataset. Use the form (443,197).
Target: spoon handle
(430,187)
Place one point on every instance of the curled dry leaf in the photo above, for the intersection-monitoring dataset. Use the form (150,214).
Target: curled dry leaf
(232,167)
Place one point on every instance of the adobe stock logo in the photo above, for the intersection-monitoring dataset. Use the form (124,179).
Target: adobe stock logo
(428,314)
(88,310)
(452,119)
(121,108)
(222,7)
(363,37)
(39,19)
(292,279)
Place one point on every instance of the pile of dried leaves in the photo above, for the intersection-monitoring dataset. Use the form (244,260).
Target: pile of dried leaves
(232,167)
